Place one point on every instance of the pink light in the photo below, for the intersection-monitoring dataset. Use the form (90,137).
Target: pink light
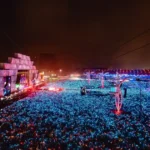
(89,81)
(102,82)
(37,81)
(118,99)
(22,87)
(55,89)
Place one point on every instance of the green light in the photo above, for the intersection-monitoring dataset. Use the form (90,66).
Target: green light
(17,85)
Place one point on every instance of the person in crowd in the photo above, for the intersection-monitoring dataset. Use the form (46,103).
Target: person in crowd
(83,90)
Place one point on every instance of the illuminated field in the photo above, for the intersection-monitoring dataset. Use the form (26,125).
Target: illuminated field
(68,120)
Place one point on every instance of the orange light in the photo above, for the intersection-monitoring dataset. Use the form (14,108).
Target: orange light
(42,73)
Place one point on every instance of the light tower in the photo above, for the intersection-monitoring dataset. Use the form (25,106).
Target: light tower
(118,98)
(102,80)
(118,94)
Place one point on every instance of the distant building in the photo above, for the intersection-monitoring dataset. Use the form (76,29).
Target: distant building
(17,71)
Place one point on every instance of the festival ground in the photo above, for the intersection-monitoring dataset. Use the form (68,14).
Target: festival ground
(67,120)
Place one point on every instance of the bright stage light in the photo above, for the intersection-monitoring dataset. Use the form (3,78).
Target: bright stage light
(75,78)
(75,75)
(54,89)
(51,89)
(37,81)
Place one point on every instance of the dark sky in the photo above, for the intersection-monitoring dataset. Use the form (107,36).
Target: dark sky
(87,32)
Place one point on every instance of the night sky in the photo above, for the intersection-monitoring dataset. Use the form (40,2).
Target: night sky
(82,33)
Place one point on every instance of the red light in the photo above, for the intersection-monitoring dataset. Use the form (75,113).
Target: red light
(118,112)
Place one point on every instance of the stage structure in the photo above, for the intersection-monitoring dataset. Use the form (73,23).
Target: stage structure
(129,72)
(18,73)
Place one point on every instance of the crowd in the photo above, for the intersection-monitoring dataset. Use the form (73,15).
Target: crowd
(67,120)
